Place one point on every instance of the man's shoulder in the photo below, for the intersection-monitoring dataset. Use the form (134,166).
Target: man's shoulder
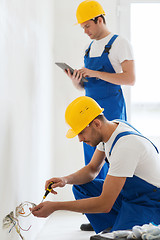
(120,40)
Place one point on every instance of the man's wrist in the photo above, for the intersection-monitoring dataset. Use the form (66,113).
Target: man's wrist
(66,180)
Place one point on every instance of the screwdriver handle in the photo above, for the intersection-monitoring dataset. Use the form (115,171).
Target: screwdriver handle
(49,186)
(49,189)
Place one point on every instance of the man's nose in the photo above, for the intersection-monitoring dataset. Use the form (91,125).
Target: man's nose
(85,30)
(80,138)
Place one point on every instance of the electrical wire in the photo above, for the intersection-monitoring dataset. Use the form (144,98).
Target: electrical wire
(20,210)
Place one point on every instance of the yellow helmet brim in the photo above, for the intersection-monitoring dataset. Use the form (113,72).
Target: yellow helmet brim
(71,134)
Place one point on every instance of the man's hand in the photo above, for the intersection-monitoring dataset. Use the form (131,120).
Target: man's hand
(76,78)
(86,72)
(57,182)
(43,209)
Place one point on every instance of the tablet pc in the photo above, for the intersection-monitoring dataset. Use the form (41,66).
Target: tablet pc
(65,66)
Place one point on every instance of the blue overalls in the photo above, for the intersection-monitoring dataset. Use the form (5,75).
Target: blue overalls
(137,204)
(108,95)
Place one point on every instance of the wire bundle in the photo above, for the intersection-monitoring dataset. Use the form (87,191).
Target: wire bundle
(21,210)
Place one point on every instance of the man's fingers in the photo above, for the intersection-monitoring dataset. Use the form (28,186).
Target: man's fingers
(36,208)
(48,182)
(75,73)
(54,192)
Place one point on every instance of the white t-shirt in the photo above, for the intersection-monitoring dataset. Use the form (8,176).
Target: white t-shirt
(120,51)
(132,155)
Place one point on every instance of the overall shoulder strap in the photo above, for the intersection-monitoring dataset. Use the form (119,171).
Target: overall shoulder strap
(128,133)
(88,49)
(109,44)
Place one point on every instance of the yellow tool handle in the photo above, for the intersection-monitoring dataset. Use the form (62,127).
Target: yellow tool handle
(49,189)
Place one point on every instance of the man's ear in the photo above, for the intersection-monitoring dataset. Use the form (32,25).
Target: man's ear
(97,123)
(100,20)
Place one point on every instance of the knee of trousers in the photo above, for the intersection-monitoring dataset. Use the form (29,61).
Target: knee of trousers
(79,192)
(91,189)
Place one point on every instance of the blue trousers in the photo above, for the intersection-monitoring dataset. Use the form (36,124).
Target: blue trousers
(137,204)
(99,221)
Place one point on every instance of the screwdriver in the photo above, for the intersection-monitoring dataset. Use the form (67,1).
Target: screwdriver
(49,189)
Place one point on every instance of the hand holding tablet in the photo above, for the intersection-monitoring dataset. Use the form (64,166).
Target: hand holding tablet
(65,66)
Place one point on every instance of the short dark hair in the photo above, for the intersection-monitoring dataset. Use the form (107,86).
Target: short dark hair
(101,117)
(96,19)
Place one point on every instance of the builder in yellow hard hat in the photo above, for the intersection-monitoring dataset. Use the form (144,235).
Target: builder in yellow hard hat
(108,64)
(134,169)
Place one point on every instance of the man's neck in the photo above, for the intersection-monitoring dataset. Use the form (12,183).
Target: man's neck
(103,34)
(108,130)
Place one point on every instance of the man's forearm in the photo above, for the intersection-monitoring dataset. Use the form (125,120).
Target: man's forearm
(89,172)
(115,78)
(126,77)
(89,205)
(82,176)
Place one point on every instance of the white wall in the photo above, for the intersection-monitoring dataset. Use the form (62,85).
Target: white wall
(26,104)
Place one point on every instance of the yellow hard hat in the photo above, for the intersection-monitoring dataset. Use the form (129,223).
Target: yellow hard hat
(87,10)
(80,113)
